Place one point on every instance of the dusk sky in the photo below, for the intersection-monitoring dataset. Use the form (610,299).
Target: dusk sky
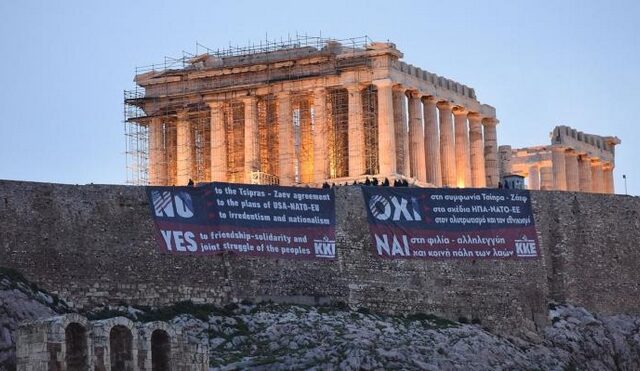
(65,65)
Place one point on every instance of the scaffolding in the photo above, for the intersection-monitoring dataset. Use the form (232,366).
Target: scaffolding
(338,132)
(165,102)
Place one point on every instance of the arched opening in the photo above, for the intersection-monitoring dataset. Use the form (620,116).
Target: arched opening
(160,351)
(75,337)
(120,345)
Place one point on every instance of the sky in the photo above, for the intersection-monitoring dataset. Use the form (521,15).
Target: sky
(64,66)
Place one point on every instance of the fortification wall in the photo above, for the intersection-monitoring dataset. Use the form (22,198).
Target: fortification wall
(94,245)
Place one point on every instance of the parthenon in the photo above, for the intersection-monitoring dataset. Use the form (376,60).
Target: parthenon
(574,161)
(304,112)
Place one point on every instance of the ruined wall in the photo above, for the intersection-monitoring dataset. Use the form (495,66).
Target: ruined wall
(94,244)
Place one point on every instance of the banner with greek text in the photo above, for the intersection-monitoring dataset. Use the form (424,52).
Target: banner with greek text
(280,222)
(432,223)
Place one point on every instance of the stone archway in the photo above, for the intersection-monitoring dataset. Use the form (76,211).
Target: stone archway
(76,355)
(160,351)
(121,348)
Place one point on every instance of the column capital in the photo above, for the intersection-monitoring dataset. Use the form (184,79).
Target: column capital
(353,87)
(558,148)
(283,94)
(474,117)
(584,157)
(413,94)
(459,111)
(382,83)
(399,88)
(596,162)
(490,121)
(214,104)
(571,152)
(444,105)
(182,115)
(429,99)
(249,99)
(319,90)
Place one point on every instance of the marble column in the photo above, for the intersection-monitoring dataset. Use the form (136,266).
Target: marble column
(184,157)
(573,174)
(431,142)
(218,143)
(285,140)
(157,162)
(534,178)
(401,131)
(356,132)
(597,181)
(416,138)
(491,152)
(584,169)
(546,178)
(386,132)
(447,145)
(251,150)
(559,168)
(463,165)
(607,178)
(320,170)
(476,142)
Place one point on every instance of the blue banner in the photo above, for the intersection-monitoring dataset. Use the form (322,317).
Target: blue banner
(282,222)
(431,223)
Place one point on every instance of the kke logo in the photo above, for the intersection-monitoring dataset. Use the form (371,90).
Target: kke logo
(394,208)
(166,204)
(325,248)
(526,247)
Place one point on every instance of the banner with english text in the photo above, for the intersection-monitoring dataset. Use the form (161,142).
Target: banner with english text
(271,221)
(448,223)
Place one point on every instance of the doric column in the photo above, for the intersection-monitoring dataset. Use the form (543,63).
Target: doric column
(157,162)
(476,143)
(184,157)
(534,178)
(431,142)
(356,132)
(546,178)
(607,178)
(416,138)
(559,168)
(401,131)
(584,168)
(597,183)
(386,132)
(573,174)
(251,150)
(285,140)
(218,143)
(491,151)
(320,173)
(447,145)
(463,166)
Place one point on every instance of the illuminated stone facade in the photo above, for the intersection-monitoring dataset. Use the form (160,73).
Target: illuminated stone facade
(574,161)
(306,113)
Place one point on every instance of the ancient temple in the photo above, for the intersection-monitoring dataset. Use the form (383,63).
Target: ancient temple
(574,161)
(307,111)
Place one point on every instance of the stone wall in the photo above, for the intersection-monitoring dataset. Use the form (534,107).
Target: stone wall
(71,342)
(94,245)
